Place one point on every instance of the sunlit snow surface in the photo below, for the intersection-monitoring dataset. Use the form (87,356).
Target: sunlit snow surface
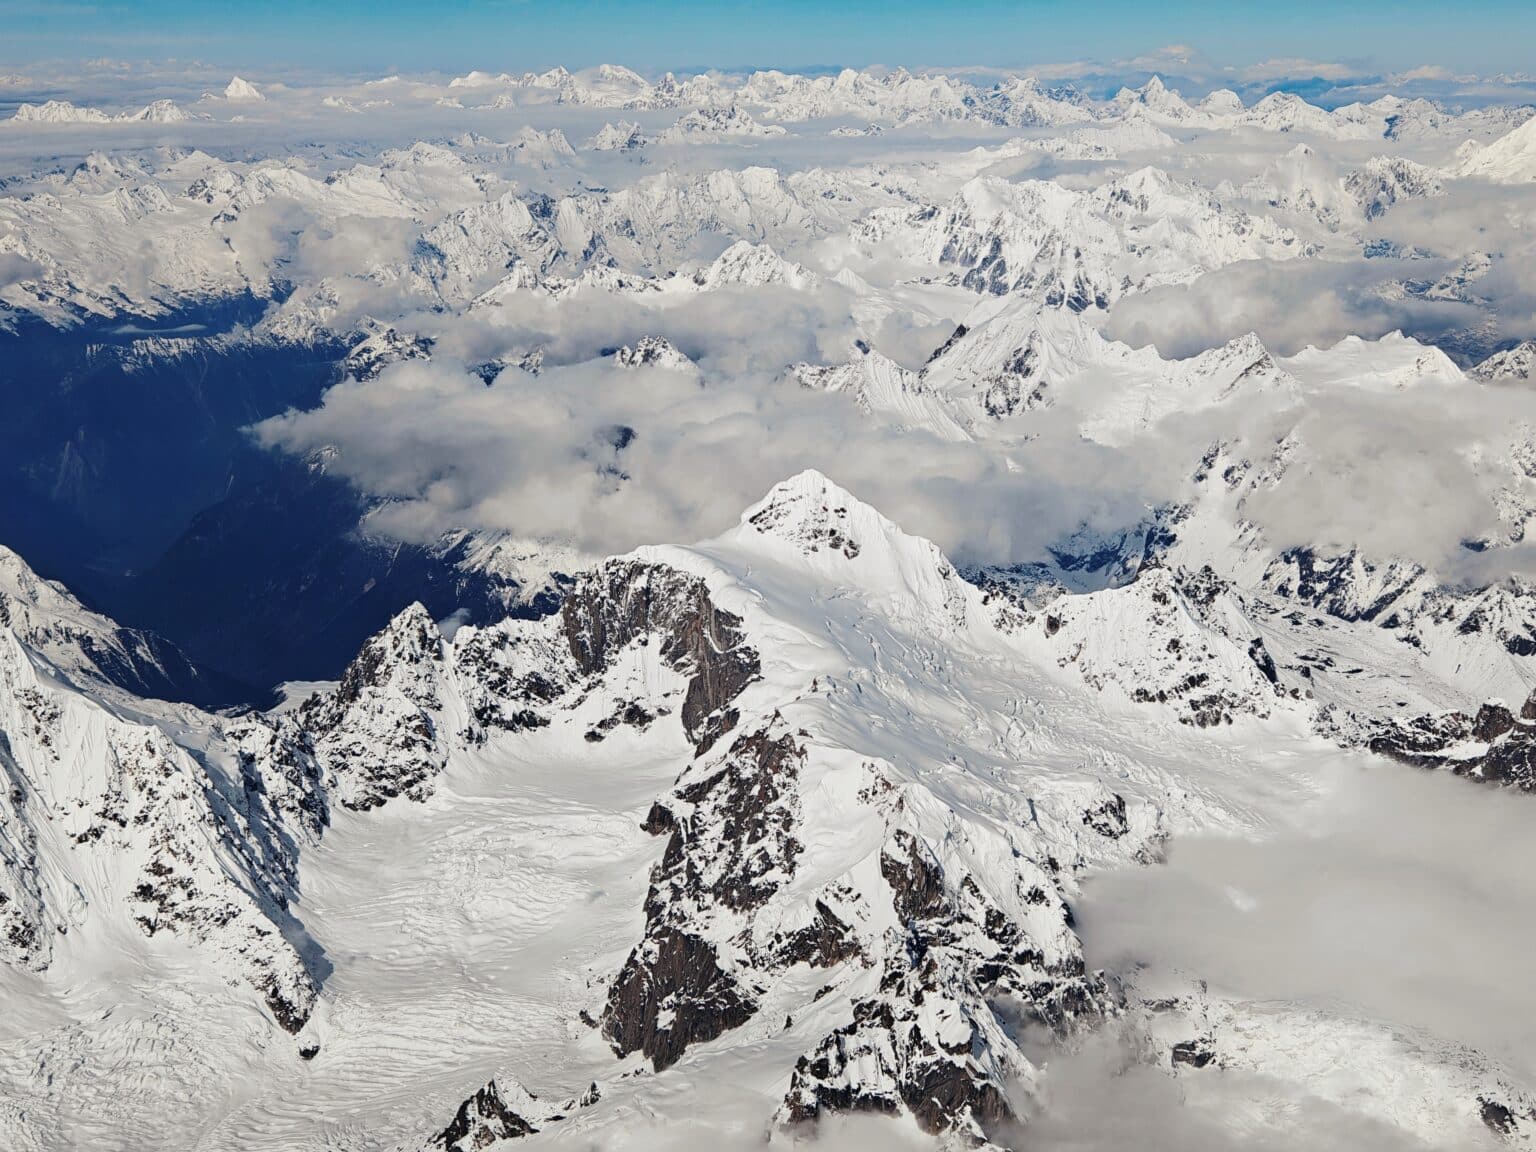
(1138,364)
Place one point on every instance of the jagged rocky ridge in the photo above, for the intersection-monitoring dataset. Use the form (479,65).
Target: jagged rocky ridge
(110,822)
(502,1111)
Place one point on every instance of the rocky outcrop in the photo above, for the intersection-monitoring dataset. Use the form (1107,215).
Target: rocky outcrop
(627,601)
(487,1118)
(932,1041)
(651,352)
(731,846)
(960,972)
(380,346)
(1494,745)
(500,1111)
(1404,599)
(381,733)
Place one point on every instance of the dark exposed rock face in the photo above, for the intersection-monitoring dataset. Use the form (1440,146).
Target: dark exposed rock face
(670,994)
(624,601)
(507,680)
(482,1120)
(931,1042)
(1494,745)
(750,801)
(826,941)
(1108,819)
(731,845)
(504,1110)
(1193,1053)
(1497,1117)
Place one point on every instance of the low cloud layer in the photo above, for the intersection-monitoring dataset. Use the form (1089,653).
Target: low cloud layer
(1101,1098)
(611,458)
(1290,305)
(1398,474)
(1377,899)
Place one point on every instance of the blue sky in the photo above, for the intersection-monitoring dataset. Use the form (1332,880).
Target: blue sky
(1485,36)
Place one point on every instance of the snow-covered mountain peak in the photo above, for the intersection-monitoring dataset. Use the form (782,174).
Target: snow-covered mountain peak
(1511,159)
(753,265)
(1223,102)
(1155,100)
(1243,364)
(541,149)
(386,729)
(814,523)
(717,123)
(242,91)
(624,136)
(1393,362)
(810,511)
(58,112)
(1385,180)
(652,352)
(160,112)
(1168,638)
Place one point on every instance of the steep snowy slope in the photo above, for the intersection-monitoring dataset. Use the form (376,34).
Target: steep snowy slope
(1510,159)
(118,838)
(85,646)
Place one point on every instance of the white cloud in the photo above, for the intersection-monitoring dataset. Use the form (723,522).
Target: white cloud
(1290,305)
(1375,899)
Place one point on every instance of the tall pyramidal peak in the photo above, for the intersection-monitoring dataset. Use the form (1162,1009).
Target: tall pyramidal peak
(242,91)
